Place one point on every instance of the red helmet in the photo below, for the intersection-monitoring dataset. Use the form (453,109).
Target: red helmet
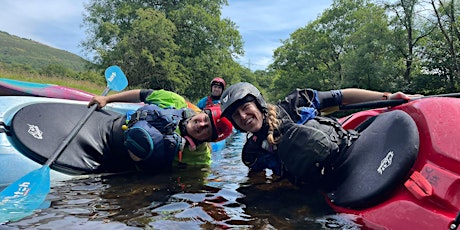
(221,126)
(218,81)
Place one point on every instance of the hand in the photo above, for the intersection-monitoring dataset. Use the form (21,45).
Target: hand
(101,101)
(401,95)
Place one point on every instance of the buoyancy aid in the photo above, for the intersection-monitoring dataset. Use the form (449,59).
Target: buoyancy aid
(210,102)
(309,151)
(152,136)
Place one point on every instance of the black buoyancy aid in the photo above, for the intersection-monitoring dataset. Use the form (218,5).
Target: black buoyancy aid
(310,150)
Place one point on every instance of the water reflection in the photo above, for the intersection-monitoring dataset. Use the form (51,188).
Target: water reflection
(218,197)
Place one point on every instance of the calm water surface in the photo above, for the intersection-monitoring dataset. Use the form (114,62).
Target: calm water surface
(219,197)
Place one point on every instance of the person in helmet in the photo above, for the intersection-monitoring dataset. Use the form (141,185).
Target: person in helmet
(271,135)
(196,127)
(217,87)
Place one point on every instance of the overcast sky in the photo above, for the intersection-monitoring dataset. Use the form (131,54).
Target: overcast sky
(262,23)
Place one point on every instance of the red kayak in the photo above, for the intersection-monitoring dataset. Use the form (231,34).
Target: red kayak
(405,174)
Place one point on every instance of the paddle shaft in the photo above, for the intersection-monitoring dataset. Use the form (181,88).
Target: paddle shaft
(74,132)
(389,103)
(373,104)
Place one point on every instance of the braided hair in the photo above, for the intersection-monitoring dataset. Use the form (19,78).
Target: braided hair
(273,124)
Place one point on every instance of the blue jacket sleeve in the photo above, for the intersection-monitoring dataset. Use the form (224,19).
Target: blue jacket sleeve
(202,103)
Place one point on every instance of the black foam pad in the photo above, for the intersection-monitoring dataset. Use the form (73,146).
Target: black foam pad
(378,161)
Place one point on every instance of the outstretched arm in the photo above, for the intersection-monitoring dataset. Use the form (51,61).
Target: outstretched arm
(354,95)
(126,96)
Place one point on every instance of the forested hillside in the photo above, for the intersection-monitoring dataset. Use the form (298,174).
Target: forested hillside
(16,51)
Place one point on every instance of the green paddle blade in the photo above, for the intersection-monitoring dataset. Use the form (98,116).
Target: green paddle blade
(22,197)
(116,79)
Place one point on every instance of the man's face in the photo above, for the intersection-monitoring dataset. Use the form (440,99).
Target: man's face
(199,127)
(216,90)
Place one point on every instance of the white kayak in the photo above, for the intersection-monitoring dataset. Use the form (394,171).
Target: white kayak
(13,163)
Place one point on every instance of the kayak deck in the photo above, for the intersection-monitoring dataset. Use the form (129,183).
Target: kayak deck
(430,198)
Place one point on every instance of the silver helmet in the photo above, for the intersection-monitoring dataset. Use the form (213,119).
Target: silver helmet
(237,94)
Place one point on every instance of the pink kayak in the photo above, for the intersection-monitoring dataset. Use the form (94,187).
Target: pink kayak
(10,87)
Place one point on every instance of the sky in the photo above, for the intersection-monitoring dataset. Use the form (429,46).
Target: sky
(263,24)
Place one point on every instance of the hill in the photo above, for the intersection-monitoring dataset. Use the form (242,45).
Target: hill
(15,50)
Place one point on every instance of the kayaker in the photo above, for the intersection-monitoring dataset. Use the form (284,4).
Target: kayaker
(217,87)
(269,132)
(197,128)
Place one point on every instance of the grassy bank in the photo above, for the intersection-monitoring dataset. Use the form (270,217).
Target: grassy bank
(87,86)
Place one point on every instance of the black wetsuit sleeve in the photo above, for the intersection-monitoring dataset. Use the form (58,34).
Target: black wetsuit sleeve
(318,100)
(144,94)
(297,98)
(257,159)
(329,98)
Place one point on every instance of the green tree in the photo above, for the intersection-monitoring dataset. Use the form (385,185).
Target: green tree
(150,45)
(441,57)
(369,61)
(346,46)
(306,59)
(408,34)
(207,44)
(176,45)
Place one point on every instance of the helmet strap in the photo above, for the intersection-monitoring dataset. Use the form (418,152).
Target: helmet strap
(191,143)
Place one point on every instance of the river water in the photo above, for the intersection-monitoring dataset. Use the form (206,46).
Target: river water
(219,197)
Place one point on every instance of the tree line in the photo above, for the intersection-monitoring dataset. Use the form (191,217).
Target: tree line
(180,45)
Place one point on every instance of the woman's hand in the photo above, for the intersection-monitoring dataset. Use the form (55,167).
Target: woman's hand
(401,95)
(101,101)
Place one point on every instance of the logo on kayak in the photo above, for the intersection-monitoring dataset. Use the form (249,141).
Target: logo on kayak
(385,162)
(35,131)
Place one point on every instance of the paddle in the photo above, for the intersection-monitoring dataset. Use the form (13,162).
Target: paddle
(389,103)
(23,196)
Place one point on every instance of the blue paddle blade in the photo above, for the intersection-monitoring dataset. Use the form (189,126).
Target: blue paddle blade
(116,79)
(22,197)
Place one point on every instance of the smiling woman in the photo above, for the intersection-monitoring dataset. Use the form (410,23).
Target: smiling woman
(295,119)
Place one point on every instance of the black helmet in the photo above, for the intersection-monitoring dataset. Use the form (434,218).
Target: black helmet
(237,94)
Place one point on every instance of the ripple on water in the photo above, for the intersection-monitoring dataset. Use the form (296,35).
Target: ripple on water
(219,197)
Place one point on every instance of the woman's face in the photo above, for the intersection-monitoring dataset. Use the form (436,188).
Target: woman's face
(199,127)
(248,117)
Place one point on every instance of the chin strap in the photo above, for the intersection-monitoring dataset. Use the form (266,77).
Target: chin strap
(191,143)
